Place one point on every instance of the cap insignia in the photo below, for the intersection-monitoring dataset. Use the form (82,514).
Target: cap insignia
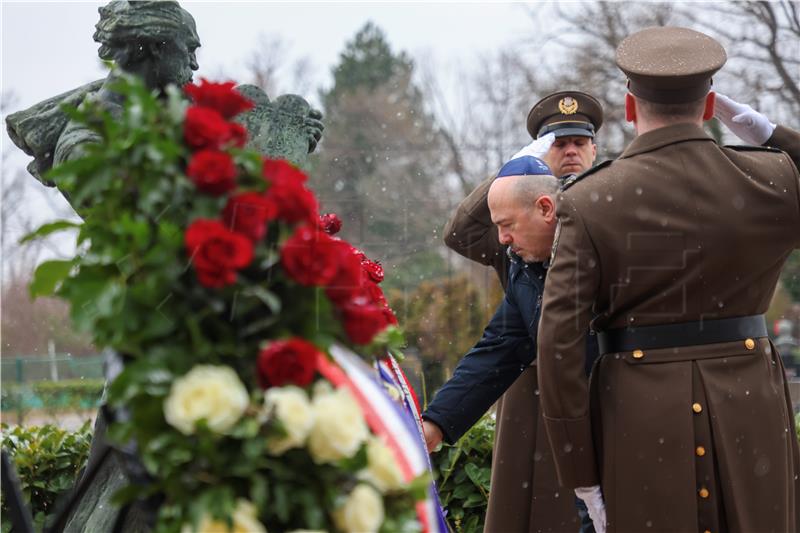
(568,105)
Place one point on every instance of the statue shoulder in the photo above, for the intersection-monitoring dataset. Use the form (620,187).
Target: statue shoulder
(572,179)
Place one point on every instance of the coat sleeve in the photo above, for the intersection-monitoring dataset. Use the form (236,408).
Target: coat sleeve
(788,140)
(572,284)
(470,232)
(484,374)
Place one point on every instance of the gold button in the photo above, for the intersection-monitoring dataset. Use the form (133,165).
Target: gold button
(697,408)
(707,531)
(700,451)
(638,354)
(749,344)
(703,492)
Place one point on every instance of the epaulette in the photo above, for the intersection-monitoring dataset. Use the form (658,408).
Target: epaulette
(569,181)
(748,148)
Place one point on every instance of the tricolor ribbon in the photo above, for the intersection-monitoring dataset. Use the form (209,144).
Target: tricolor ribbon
(394,425)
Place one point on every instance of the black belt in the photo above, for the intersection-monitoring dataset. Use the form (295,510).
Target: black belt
(681,334)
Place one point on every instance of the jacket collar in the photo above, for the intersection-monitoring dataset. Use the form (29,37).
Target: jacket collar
(517,263)
(658,138)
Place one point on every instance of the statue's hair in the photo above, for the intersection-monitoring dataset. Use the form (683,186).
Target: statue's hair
(530,187)
(125,25)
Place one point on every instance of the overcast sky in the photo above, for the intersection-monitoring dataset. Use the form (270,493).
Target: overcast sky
(47,48)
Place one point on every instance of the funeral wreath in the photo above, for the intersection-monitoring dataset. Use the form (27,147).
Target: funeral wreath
(210,270)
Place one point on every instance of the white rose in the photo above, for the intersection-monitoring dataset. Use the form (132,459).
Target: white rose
(244,521)
(362,512)
(382,469)
(213,393)
(291,406)
(339,427)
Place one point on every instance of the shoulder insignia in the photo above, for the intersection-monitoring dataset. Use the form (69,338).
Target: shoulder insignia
(748,148)
(572,179)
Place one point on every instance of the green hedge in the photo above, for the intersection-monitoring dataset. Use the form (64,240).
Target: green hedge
(463,472)
(65,395)
(48,460)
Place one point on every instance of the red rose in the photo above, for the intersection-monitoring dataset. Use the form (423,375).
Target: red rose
(221,97)
(379,299)
(295,202)
(205,128)
(287,362)
(212,171)
(330,223)
(248,214)
(215,279)
(391,319)
(311,257)
(363,320)
(375,293)
(237,134)
(216,252)
(281,172)
(349,279)
(373,269)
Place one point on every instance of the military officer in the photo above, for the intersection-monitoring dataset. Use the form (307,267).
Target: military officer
(689,426)
(525,495)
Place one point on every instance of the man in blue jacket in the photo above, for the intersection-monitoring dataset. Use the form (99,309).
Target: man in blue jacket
(522,202)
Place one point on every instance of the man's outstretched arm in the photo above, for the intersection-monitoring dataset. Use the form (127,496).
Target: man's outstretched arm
(483,374)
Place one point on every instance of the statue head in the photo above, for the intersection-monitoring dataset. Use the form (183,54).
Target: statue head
(156,40)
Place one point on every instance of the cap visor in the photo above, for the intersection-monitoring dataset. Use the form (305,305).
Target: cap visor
(572,132)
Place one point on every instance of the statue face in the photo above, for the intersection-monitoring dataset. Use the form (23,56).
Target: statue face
(176,58)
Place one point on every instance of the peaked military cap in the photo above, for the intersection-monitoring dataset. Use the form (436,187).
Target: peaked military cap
(670,65)
(565,113)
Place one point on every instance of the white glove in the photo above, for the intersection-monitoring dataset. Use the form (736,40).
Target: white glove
(745,122)
(593,498)
(538,147)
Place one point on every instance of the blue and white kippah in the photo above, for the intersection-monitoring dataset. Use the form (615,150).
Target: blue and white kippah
(527,165)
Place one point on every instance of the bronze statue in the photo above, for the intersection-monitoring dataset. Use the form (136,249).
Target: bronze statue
(157,41)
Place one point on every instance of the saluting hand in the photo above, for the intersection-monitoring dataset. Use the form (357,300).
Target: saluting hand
(538,147)
(745,122)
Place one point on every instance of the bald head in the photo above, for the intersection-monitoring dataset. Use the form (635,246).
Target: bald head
(523,209)
(522,189)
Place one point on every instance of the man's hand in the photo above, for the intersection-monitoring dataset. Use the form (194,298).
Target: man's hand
(433,435)
(745,122)
(538,147)
(593,498)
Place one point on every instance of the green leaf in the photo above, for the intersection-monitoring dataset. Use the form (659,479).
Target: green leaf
(47,229)
(268,298)
(48,275)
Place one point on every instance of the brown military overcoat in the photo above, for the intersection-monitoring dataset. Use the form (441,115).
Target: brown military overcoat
(524,494)
(677,229)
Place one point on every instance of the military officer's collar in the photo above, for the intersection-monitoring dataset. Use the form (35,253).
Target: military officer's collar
(658,138)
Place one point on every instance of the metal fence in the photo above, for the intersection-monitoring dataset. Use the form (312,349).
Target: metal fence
(50,389)
(57,367)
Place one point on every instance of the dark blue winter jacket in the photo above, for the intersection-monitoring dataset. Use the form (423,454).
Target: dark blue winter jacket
(507,347)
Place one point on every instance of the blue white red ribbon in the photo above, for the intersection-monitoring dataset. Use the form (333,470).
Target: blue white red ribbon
(393,423)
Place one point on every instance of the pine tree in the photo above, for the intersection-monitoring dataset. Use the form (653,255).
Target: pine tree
(380,167)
